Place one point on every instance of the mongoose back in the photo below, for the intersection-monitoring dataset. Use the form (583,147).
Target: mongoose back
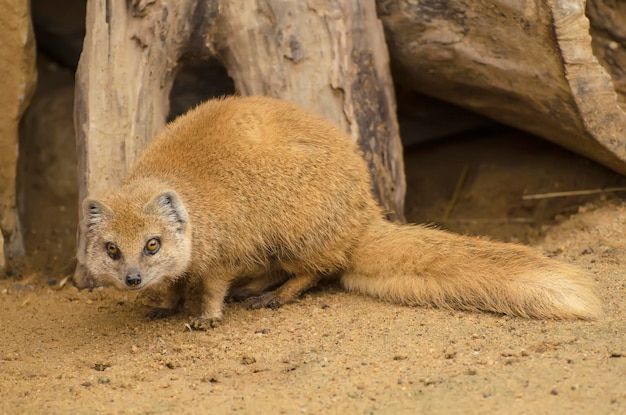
(244,194)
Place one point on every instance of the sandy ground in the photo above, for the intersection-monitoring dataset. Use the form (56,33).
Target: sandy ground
(69,351)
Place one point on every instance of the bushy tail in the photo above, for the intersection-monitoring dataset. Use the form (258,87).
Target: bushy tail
(417,265)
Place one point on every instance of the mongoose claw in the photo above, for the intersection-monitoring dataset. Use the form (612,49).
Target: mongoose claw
(267,300)
(204,324)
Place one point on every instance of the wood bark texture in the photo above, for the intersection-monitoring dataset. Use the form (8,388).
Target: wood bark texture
(529,64)
(17,83)
(328,56)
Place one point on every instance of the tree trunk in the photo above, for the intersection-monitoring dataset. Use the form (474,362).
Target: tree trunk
(17,77)
(529,64)
(327,56)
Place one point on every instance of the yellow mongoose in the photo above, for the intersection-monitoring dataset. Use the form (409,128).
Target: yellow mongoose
(242,194)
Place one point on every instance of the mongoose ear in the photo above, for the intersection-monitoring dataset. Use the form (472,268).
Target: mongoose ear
(168,205)
(95,212)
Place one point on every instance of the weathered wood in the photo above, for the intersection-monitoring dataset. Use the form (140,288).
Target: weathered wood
(17,77)
(2,256)
(529,64)
(607,20)
(327,56)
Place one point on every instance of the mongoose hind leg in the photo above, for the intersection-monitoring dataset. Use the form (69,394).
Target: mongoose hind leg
(289,291)
(173,302)
(255,285)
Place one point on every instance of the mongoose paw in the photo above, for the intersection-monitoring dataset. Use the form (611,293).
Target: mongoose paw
(161,312)
(204,324)
(267,300)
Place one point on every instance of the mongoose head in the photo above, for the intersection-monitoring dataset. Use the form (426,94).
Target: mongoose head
(137,238)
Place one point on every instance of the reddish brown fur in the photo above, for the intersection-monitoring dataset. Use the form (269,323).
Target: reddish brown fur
(246,192)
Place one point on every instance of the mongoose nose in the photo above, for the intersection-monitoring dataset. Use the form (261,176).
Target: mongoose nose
(132,280)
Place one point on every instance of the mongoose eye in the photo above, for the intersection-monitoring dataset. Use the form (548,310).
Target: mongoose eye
(152,246)
(112,250)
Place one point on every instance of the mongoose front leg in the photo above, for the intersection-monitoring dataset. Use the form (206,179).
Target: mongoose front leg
(287,292)
(173,302)
(215,291)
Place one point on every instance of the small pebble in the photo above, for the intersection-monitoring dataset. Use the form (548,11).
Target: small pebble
(101,367)
(248,360)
